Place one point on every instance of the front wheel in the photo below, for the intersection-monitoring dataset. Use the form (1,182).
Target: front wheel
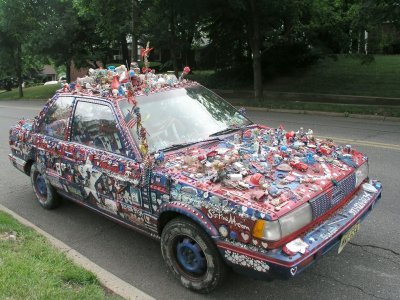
(45,193)
(192,256)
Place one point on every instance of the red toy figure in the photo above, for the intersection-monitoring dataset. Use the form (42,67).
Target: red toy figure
(299,166)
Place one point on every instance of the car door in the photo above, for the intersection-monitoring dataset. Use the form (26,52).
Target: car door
(110,178)
(51,139)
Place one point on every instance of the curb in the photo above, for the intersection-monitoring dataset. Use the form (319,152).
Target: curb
(107,279)
(298,95)
(321,113)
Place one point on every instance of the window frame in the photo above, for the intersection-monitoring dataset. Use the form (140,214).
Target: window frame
(66,135)
(96,101)
(127,143)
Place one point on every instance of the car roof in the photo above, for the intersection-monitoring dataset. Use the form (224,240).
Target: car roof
(98,84)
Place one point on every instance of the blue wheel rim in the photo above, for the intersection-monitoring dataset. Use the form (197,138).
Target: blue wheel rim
(190,256)
(41,185)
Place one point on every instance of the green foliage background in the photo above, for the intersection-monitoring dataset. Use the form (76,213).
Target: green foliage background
(256,39)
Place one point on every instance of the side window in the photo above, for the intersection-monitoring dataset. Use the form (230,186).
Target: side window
(94,125)
(56,120)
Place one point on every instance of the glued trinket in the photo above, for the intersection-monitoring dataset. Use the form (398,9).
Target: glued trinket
(299,166)
(257,179)
(369,188)
(290,136)
(257,195)
(235,177)
(186,70)
(273,192)
(159,157)
(309,159)
(223,231)
(284,167)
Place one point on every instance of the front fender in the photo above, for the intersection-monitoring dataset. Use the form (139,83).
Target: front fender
(192,213)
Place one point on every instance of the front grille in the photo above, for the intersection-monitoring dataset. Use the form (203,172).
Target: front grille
(333,196)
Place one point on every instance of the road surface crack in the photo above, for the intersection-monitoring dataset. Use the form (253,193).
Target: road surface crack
(381,256)
(376,247)
(348,285)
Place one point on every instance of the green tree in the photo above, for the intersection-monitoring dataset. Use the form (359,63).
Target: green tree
(113,20)
(173,25)
(65,37)
(257,25)
(18,20)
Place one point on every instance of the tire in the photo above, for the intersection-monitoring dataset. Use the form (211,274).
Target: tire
(45,193)
(192,255)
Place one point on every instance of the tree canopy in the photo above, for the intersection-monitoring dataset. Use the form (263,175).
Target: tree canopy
(257,36)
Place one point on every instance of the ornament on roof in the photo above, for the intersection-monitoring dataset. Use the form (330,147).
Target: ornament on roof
(186,70)
(145,56)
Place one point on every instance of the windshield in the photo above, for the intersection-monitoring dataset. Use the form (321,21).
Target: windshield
(184,115)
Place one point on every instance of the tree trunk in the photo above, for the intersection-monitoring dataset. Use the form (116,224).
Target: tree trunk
(174,61)
(135,17)
(189,53)
(257,74)
(255,44)
(134,48)
(125,52)
(68,70)
(18,69)
(172,43)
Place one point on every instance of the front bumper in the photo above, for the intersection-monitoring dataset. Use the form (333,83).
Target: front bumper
(17,162)
(320,240)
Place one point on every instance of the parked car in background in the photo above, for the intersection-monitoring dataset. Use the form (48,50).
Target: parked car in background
(51,82)
(171,159)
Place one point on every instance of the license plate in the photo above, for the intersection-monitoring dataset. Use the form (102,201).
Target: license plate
(348,236)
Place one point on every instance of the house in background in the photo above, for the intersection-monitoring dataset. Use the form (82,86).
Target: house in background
(49,72)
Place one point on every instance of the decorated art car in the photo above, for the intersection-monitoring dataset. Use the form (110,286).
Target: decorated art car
(171,159)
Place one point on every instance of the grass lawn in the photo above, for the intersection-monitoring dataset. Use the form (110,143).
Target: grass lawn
(43,92)
(30,268)
(345,76)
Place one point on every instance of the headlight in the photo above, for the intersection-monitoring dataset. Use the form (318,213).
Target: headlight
(276,230)
(268,231)
(362,173)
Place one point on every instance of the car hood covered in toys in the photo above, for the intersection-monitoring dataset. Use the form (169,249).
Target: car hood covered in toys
(264,173)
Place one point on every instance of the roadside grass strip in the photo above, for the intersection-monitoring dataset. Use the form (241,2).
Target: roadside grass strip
(30,268)
(345,109)
(35,92)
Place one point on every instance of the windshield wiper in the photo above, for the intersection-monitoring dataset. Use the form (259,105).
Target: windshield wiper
(181,145)
(226,130)
(177,146)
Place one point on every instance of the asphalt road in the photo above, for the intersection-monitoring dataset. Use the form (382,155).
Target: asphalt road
(368,268)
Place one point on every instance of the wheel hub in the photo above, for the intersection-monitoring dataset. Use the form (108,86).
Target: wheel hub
(190,256)
(41,185)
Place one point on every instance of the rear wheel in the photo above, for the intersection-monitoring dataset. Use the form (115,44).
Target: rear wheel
(192,255)
(45,193)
